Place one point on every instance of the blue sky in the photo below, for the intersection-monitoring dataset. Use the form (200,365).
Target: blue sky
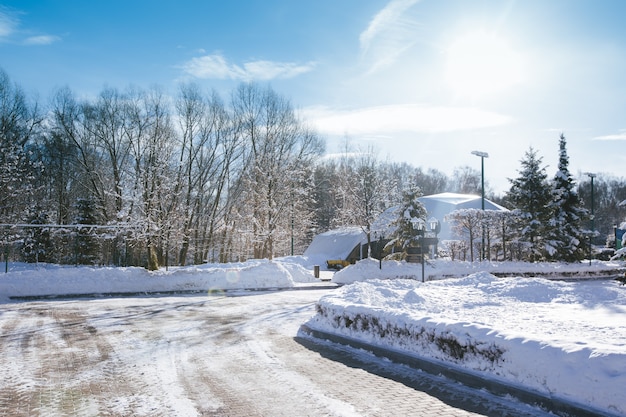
(425,82)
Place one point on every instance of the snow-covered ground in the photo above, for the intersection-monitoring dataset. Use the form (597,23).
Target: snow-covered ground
(24,280)
(562,338)
(565,339)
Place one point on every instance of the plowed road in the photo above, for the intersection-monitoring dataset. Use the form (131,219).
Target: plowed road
(205,356)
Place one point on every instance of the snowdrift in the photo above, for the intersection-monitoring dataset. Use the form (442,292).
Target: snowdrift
(562,339)
(51,280)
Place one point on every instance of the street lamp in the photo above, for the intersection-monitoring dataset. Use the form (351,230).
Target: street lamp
(482,156)
(378,236)
(420,226)
(592,176)
(435,227)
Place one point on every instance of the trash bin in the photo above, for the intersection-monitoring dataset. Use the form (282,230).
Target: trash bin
(316,271)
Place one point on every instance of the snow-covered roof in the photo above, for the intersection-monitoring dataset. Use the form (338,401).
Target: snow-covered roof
(440,205)
(335,244)
(338,243)
(459,201)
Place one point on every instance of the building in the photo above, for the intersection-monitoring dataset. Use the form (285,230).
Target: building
(440,205)
(350,243)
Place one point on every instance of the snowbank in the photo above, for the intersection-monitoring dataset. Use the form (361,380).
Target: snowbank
(564,339)
(48,280)
(367,269)
(441,268)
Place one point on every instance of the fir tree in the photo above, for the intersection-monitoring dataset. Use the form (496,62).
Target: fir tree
(530,195)
(87,246)
(37,243)
(565,238)
(411,211)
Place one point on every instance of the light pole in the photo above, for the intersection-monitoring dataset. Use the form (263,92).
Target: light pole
(420,225)
(292,235)
(435,227)
(482,156)
(592,176)
(292,223)
(378,236)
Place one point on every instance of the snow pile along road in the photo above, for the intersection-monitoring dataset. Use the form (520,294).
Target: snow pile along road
(566,340)
(562,339)
(442,268)
(50,280)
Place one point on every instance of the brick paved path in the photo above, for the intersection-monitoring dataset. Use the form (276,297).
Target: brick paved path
(206,356)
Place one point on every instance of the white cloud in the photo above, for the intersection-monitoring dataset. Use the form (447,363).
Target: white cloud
(216,66)
(402,118)
(618,136)
(41,40)
(7,25)
(266,70)
(211,66)
(388,34)
(10,30)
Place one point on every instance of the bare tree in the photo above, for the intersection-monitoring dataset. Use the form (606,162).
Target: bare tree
(368,192)
(432,181)
(467,180)
(19,124)
(106,122)
(211,149)
(501,229)
(466,223)
(152,209)
(278,149)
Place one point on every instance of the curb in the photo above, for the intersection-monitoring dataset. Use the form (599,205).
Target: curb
(554,405)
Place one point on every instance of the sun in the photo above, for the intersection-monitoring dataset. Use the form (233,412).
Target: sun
(480,64)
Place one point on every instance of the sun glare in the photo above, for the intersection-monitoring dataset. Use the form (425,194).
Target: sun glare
(479,64)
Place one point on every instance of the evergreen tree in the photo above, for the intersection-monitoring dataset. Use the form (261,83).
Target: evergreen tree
(566,240)
(530,196)
(608,192)
(87,246)
(19,124)
(410,212)
(37,243)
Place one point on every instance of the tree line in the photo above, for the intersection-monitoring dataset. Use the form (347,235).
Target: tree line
(175,180)
(549,219)
(188,179)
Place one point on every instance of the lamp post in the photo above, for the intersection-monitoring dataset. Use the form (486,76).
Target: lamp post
(420,226)
(292,235)
(292,202)
(435,227)
(592,176)
(379,241)
(482,156)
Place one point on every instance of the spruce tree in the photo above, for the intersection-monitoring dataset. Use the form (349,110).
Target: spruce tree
(530,197)
(87,247)
(566,238)
(411,211)
(37,243)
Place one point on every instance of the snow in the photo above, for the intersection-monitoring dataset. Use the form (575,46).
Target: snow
(338,242)
(565,339)
(440,205)
(24,280)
